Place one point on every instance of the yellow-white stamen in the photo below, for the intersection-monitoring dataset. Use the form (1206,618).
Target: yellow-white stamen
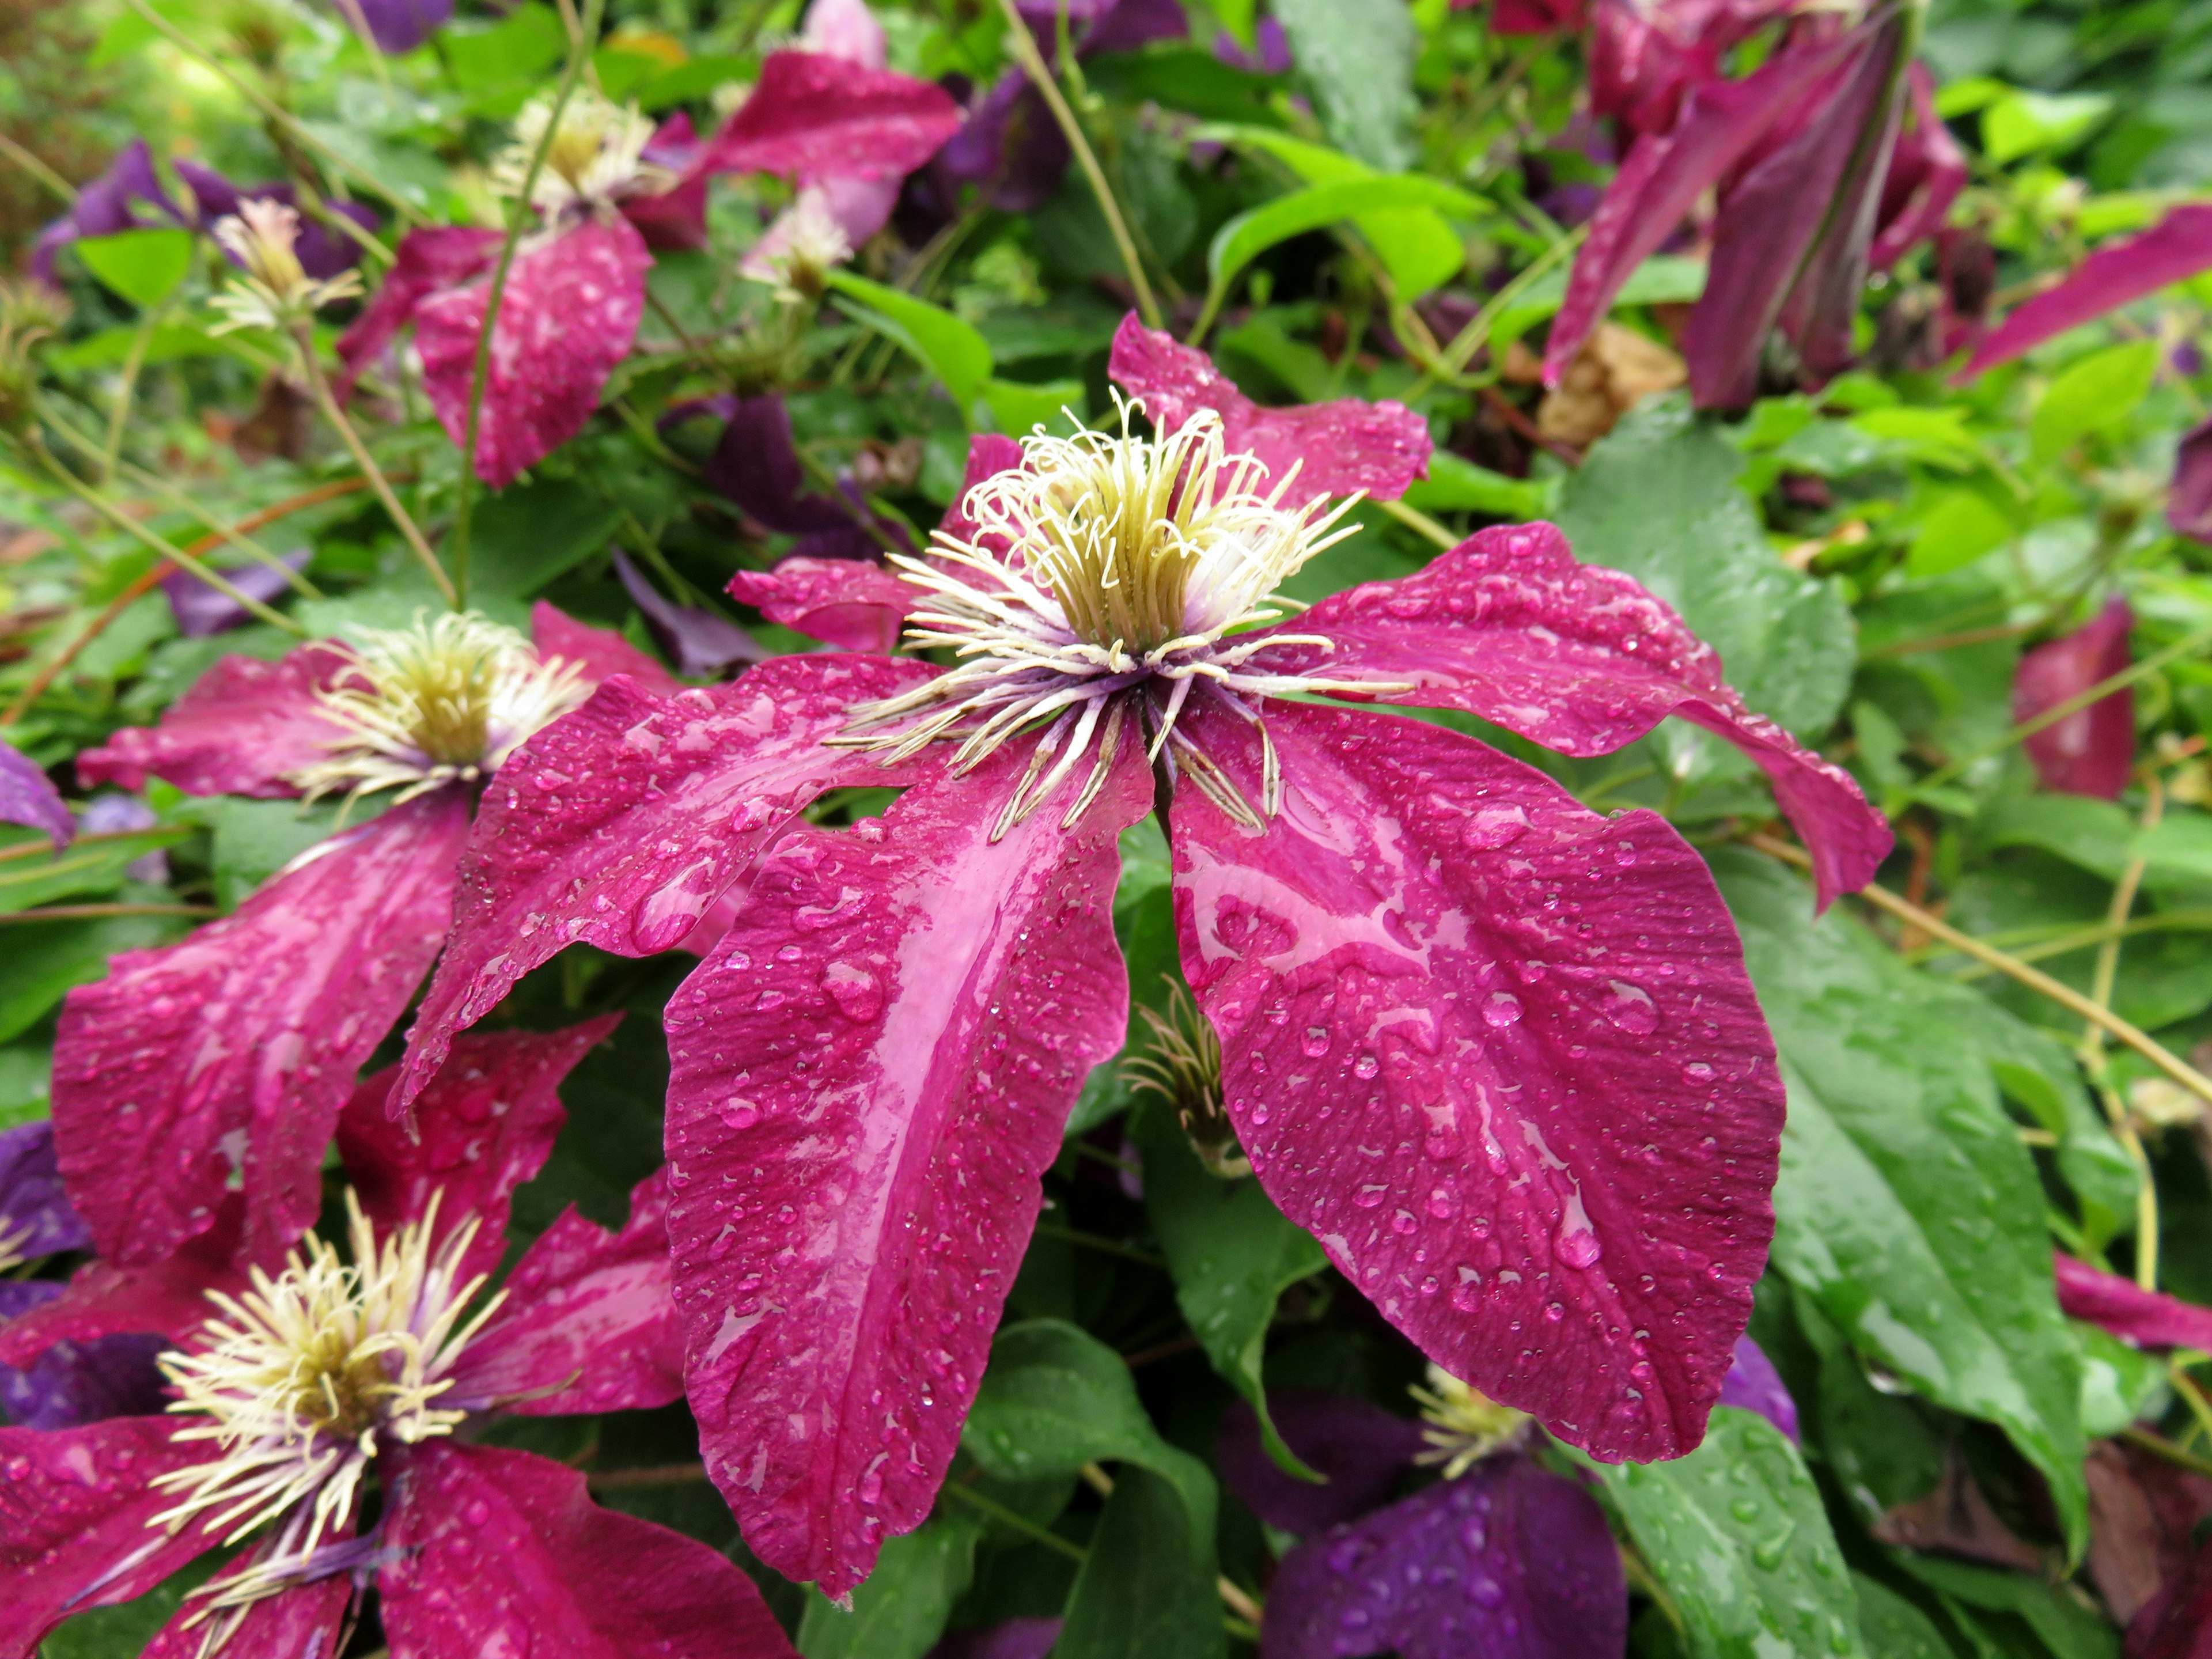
(274,291)
(14,1236)
(301,1380)
(798,253)
(439,701)
(1181,1064)
(595,158)
(1107,564)
(1464,1426)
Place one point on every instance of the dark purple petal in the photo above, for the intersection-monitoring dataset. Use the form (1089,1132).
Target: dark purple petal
(1506,1562)
(1580,658)
(27,797)
(1113,25)
(2177,1622)
(227,1056)
(202,610)
(484,1126)
(2188,500)
(1337,447)
(2150,1319)
(2172,250)
(846,603)
(1358,1446)
(103,1301)
(869,1076)
(1010,143)
(600,652)
(1498,1054)
(427,262)
(75,1509)
(755,464)
(703,643)
(398,26)
(816,116)
(621,824)
(2092,750)
(1754,1384)
(76,1382)
(568,317)
(243,729)
(104,207)
(1926,174)
(497,1552)
(1271,55)
(35,1217)
(303,1622)
(589,1323)
(1720,123)
(675,220)
(1017,1638)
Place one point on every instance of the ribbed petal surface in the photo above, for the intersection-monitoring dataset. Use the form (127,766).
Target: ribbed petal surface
(241,729)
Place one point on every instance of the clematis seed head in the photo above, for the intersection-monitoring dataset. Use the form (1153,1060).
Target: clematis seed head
(1465,1427)
(596,157)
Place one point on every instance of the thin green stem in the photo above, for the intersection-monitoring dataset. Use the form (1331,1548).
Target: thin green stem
(1020,1523)
(1108,1246)
(90,912)
(1419,522)
(495,294)
(38,170)
(1476,335)
(319,384)
(2092,1048)
(142,341)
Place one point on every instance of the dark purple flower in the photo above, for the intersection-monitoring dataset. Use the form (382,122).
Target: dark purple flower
(1017,1638)
(2150,1319)
(1271,57)
(74,1382)
(323,252)
(756,464)
(35,1216)
(106,206)
(1506,1562)
(2189,501)
(475,1548)
(400,25)
(1387,923)
(202,610)
(1754,1384)
(2177,1622)
(1358,1447)
(703,643)
(27,797)
(116,814)
(2091,751)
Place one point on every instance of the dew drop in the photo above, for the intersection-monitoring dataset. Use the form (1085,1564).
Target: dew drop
(1502,1009)
(1579,1249)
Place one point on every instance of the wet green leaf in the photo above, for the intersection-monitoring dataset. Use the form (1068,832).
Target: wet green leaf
(900,1612)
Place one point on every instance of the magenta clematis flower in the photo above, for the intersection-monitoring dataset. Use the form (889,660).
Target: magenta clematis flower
(2176,248)
(225,1058)
(824,113)
(2091,751)
(1496,1051)
(398,26)
(2150,1319)
(294,1390)
(27,797)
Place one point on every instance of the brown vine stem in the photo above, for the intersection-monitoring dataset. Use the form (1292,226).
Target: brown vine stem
(147,583)
(2037,981)
(319,384)
(81,912)
(656,1475)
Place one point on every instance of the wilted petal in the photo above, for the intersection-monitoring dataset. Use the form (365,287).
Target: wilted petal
(757,465)
(1538,1139)
(703,643)
(202,610)
(891,1034)
(1010,143)
(228,1055)
(1358,1446)
(486,1124)
(1754,1384)
(2150,1319)
(619,825)
(1926,174)
(35,1217)
(425,262)
(243,729)
(27,797)
(1582,659)
(1506,1562)
(600,652)
(2172,250)
(499,1552)
(568,317)
(2092,750)
(858,207)
(303,1622)
(75,1505)
(588,1324)
(848,603)
(398,26)
(816,116)
(1337,447)
(1720,123)
(2189,501)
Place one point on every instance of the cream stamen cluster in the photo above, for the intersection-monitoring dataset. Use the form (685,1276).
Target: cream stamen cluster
(1128,566)
(1464,1426)
(13,1237)
(595,158)
(811,245)
(298,1381)
(274,291)
(437,702)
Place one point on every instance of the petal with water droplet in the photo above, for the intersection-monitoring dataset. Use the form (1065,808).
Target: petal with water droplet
(243,729)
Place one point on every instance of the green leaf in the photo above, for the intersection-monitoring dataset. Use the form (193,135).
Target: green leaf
(255,839)
(172,341)
(2069,1630)
(1736,1532)
(1233,1254)
(2021,123)
(520,47)
(1906,1207)
(1892,1627)
(524,537)
(31,874)
(947,346)
(693,79)
(1017,407)
(1657,497)
(1136,1597)
(2177,850)
(2092,393)
(27,1084)
(1455,485)
(1250,235)
(1881,1448)
(900,1612)
(2120,1383)
(1358,59)
(1180,76)
(47,960)
(1664,280)
(142,266)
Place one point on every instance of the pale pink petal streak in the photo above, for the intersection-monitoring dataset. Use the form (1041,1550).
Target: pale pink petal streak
(2150,1319)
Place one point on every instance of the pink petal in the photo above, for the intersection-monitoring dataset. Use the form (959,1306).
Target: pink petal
(1664,174)
(2092,750)
(815,117)
(486,1124)
(167,1297)
(846,29)
(1337,447)
(621,824)
(1498,1053)
(304,1622)
(601,652)
(859,208)
(232,1052)
(2150,1319)
(428,260)
(1926,174)
(588,1313)
(869,1076)
(74,1508)
(2188,500)
(504,1552)
(1580,658)
(854,604)
(2172,250)
(568,317)
(988,455)
(241,729)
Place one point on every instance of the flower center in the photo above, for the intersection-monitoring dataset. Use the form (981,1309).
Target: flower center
(1464,1426)
(274,290)
(298,1382)
(595,155)
(444,699)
